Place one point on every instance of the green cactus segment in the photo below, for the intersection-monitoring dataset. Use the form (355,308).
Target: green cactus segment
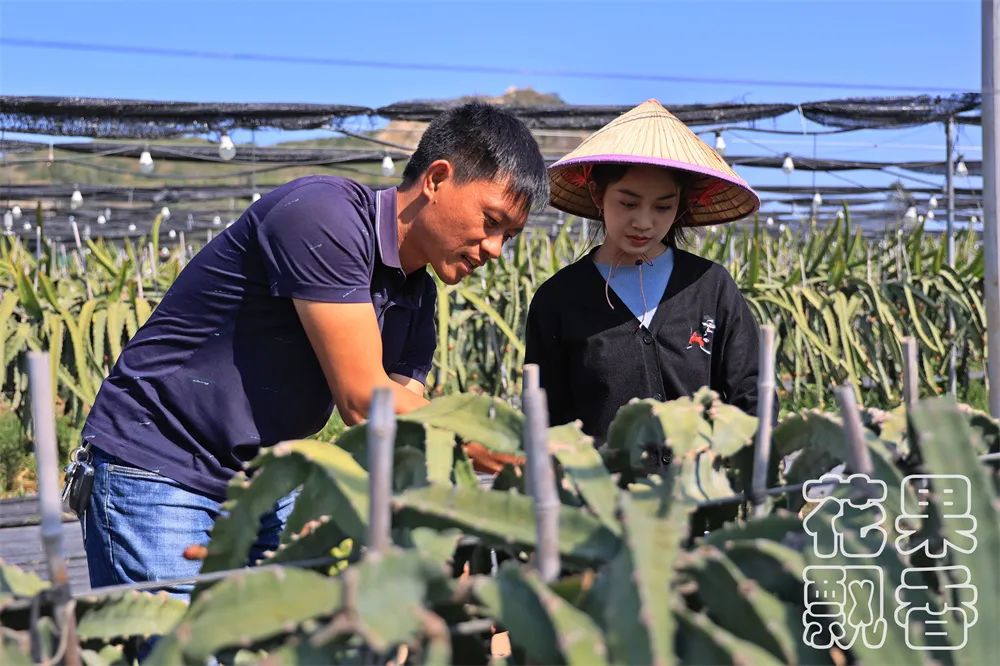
(583,464)
(732,428)
(504,518)
(474,418)
(704,642)
(434,545)
(988,429)
(464,473)
(433,444)
(776,568)
(518,608)
(14,648)
(685,425)
(109,655)
(550,630)
(246,608)
(677,424)
(323,539)
(777,526)
(299,652)
(17,583)
(940,433)
(701,477)
(821,521)
(131,614)
(439,446)
(615,600)
(388,595)
(890,426)
(741,606)
(655,527)
(330,477)
(355,439)
(822,444)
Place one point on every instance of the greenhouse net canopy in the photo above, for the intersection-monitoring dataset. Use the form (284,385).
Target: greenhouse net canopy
(148,119)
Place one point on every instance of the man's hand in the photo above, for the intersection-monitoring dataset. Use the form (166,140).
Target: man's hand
(348,345)
(491,462)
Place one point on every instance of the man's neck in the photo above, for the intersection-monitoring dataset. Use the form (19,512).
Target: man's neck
(408,204)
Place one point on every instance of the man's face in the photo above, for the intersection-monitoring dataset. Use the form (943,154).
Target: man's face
(467,225)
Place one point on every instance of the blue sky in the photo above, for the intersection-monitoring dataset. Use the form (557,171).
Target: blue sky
(843,48)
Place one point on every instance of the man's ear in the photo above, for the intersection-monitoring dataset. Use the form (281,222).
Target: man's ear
(436,174)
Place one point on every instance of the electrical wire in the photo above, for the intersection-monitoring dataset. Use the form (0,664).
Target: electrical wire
(19,42)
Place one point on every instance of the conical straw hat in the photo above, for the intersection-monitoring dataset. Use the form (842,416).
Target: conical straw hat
(649,134)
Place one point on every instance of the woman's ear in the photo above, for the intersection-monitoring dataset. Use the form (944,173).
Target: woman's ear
(595,196)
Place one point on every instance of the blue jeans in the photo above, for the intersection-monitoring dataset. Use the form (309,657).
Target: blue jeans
(138,523)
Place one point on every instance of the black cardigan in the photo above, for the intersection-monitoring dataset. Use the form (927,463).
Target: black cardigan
(593,359)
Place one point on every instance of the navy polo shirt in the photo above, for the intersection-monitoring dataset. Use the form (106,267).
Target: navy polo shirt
(224,367)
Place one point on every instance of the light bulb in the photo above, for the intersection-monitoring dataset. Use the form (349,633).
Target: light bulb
(961,169)
(101,219)
(920,218)
(840,214)
(131,227)
(227,150)
(146,162)
(26,226)
(165,213)
(910,214)
(933,202)
(770,221)
(76,198)
(788,166)
(388,166)
(930,215)
(720,143)
(8,220)
(172,234)
(216,220)
(107,213)
(974,220)
(255,198)
(16,212)
(817,199)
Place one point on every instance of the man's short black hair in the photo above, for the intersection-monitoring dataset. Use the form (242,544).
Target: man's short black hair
(484,142)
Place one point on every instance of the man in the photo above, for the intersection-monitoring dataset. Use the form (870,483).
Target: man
(314,297)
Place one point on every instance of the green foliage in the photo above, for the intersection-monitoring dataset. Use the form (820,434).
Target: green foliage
(638,583)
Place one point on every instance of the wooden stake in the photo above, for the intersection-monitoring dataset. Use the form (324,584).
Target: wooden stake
(765,407)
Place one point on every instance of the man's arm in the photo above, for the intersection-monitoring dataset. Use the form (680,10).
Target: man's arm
(348,345)
(409,383)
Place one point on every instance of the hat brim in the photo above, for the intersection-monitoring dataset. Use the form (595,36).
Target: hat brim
(713,197)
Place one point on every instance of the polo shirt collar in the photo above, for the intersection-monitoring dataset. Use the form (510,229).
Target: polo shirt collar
(386,232)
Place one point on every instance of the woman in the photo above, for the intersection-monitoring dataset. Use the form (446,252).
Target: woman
(637,317)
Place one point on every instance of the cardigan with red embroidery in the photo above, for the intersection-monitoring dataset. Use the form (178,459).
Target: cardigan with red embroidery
(594,358)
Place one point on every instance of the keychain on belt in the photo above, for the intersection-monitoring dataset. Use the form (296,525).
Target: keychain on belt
(79,480)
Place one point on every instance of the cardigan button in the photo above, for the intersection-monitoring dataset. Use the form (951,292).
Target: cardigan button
(648,339)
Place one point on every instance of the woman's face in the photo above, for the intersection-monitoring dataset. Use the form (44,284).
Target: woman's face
(638,210)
